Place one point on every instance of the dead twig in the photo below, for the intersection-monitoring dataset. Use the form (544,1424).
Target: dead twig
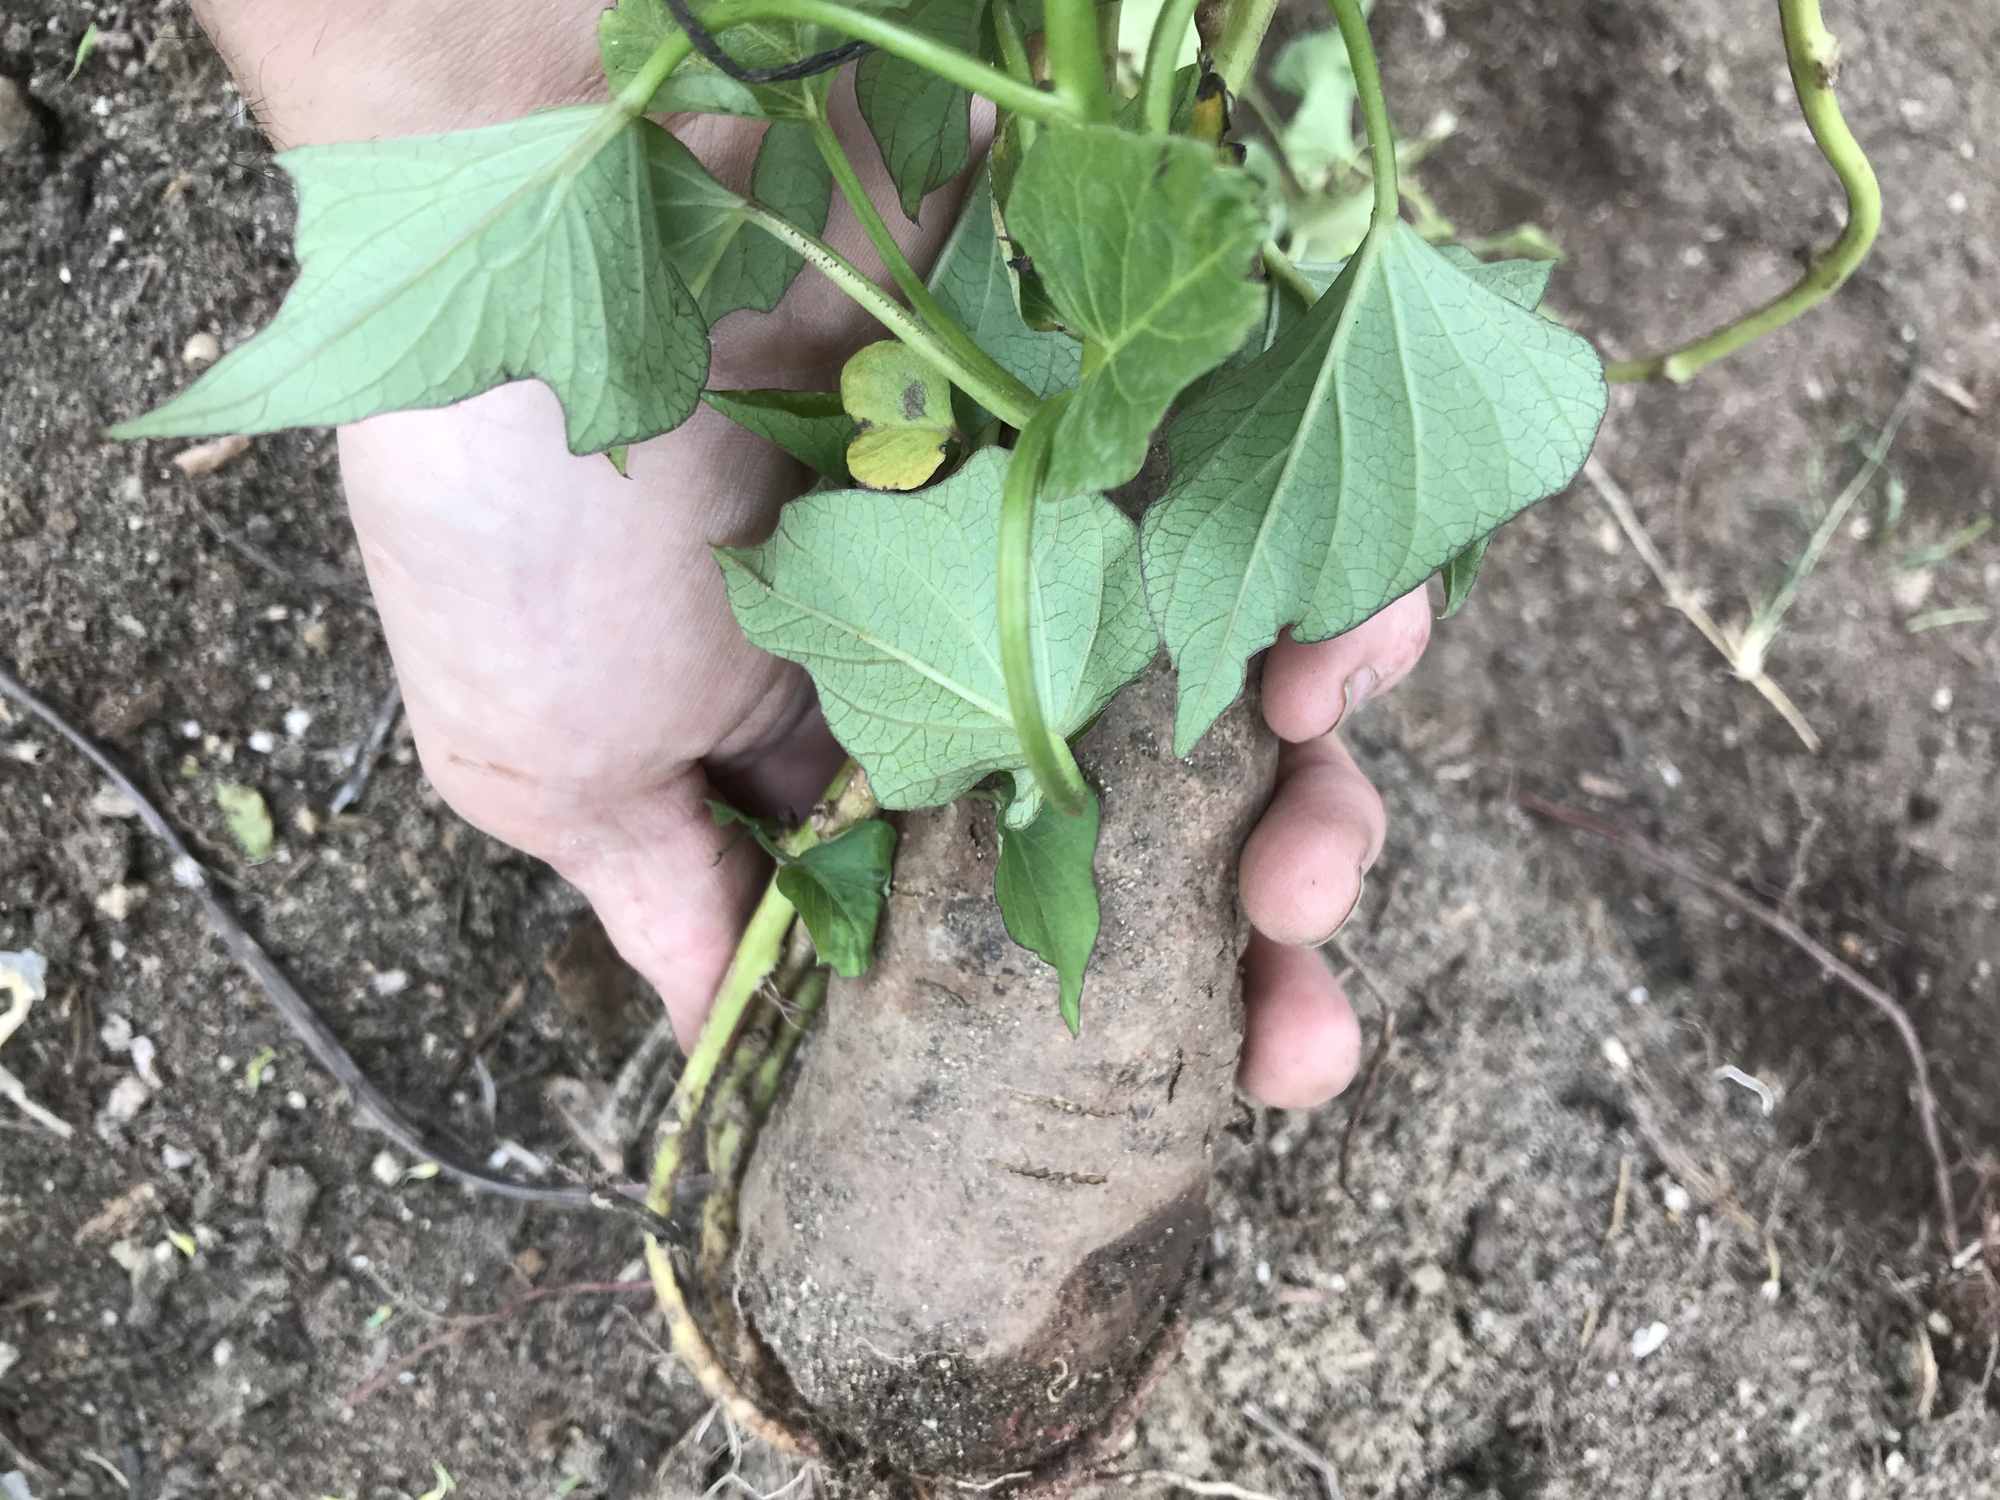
(1186,1484)
(1776,922)
(297,1012)
(370,752)
(458,1326)
(1321,1466)
(1683,599)
(21,975)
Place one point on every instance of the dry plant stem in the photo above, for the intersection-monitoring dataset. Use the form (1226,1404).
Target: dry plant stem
(1684,869)
(1187,1485)
(296,1011)
(1683,599)
(1813,56)
(1321,1466)
(370,753)
(458,1327)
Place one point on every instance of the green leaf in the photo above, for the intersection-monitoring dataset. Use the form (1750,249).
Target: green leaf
(1046,885)
(628,35)
(812,426)
(922,124)
(838,888)
(889,602)
(1413,410)
(1318,140)
(1146,247)
(248,820)
(85,45)
(972,282)
(1459,575)
(901,407)
(728,264)
(437,267)
(620,459)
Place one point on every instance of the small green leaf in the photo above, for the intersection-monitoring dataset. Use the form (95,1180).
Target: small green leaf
(248,819)
(258,1066)
(1318,140)
(971,281)
(838,888)
(766,831)
(1459,575)
(379,1319)
(1414,409)
(86,44)
(628,34)
(437,267)
(1146,247)
(619,458)
(708,239)
(812,426)
(922,124)
(445,1483)
(889,602)
(1046,884)
(183,1242)
(902,414)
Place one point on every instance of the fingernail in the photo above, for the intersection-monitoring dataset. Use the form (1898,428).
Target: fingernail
(1354,692)
(1360,885)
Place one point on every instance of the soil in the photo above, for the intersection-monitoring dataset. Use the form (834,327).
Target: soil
(1486,1313)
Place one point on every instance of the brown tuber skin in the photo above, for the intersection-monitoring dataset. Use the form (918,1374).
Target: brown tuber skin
(963,1233)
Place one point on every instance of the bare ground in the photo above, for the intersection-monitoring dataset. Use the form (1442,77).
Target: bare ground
(1466,1321)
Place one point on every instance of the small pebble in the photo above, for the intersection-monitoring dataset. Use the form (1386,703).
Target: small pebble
(263,741)
(128,1097)
(390,982)
(385,1169)
(1649,1340)
(201,349)
(297,722)
(176,1160)
(1616,1055)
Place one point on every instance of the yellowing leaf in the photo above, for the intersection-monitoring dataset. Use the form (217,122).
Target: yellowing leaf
(901,408)
(248,818)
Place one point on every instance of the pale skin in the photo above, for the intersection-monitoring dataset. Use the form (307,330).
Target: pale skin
(572,674)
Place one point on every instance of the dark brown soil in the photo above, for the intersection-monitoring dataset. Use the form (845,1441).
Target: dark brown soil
(1462,1324)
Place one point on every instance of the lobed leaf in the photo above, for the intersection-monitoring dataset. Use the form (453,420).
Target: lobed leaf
(888,601)
(435,268)
(1145,246)
(1416,407)
(1046,883)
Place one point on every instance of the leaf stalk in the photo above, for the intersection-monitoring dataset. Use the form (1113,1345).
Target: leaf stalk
(1353,24)
(1048,754)
(1812,54)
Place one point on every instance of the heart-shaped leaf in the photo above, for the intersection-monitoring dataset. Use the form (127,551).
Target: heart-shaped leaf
(1411,411)
(838,888)
(922,124)
(812,426)
(889,602)
(710,243)
(1046,883)
(901,408)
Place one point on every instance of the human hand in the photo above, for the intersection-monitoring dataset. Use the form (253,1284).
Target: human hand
(573,677)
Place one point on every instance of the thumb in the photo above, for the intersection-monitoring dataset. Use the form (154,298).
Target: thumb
(672,889)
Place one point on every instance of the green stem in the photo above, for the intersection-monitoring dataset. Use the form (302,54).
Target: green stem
(1243,28)
(1813,56)
(1156,85)
(947,62)
(1278,266)
(1374,109)
(1008,400)
(1048,754)
(1076,57)
(848,801)
(932,312)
